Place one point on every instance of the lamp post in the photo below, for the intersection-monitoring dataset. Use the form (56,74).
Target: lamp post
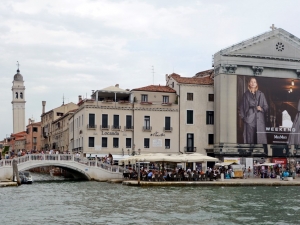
(139,150)
(285,153)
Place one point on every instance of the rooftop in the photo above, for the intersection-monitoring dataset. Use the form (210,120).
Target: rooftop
(202,78)
(155,88)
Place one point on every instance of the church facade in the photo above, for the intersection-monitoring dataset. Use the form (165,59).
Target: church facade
(264,122)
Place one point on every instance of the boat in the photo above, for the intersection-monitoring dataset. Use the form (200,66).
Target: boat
(56,172)
(25,177)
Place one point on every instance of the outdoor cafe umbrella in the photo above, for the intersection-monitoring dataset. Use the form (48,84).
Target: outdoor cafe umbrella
(195,157)
(150,157)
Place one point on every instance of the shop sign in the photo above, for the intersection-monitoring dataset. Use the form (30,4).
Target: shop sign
(279,160)
(110,133)
(232,160)
(156,134)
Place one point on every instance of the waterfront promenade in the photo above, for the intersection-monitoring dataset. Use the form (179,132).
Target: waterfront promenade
(225,182)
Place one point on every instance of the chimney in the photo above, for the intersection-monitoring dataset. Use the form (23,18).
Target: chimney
(44,104)
(117,85)
(79,98)
(29,120)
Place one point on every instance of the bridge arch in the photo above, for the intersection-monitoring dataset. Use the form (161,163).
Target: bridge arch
(27,166)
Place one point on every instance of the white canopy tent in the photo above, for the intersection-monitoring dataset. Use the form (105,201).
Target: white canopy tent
(160,157)
(266,164)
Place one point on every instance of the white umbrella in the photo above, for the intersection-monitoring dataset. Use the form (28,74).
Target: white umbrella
(196,157)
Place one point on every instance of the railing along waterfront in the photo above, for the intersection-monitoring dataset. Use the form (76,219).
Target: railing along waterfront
(62,157)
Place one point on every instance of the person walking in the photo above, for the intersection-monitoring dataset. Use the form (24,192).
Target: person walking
(249,172)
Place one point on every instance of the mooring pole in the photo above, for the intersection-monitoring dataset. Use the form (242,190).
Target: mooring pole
(16,172)
(139,174)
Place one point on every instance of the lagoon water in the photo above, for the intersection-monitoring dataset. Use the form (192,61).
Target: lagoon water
(49,201)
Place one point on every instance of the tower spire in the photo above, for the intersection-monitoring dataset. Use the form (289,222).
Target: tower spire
(18,67)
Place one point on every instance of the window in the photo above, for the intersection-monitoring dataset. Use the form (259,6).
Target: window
(165,99)
(104,121)
(190,143)
(35,129)
(91,120)
(167,143)
(128,142)
(189,97)
(209,117)
(210,139)
(21,95)
(144,98)
(59,114)
(116,142)
(147,122)
(167,123)
(34,140)
(104,142)
(16,94)
(189,118)
(91,142)
(116,121)
(146,142)
(172,84)
(128,122)
(211,97)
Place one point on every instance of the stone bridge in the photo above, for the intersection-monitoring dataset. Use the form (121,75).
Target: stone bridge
(79,167)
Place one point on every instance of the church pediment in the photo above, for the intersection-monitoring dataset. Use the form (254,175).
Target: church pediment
(276,44)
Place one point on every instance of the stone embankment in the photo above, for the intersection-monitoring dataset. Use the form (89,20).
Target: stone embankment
(8,184)
(226,182)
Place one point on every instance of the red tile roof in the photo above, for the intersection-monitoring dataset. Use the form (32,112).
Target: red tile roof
(202,78)
(205,73)
(155,88)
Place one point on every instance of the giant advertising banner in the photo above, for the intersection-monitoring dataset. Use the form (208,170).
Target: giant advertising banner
(268,110)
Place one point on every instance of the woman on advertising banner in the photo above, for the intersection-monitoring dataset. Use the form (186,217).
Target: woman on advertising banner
(252,111)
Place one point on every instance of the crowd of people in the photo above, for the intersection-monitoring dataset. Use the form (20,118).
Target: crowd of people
(177,174)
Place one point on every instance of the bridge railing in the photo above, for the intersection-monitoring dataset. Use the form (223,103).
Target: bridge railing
(6,162)
(63,157)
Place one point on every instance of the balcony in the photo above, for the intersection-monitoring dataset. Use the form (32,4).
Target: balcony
(104,127)
(108,101)
(113,127)
(166,103)
(91,126)
(146,103)
(190,149)
(168,129)
(147,128)
(123,102)
(128,127)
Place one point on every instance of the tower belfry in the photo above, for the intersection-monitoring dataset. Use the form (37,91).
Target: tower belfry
(18,102)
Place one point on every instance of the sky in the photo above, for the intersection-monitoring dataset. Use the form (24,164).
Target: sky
(71,47)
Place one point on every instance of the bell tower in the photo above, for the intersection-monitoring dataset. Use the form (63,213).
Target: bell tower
(18,102)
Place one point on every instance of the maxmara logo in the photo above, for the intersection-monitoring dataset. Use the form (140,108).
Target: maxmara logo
(283,129)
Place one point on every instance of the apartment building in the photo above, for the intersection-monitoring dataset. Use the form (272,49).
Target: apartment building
(196,111)
(33,135)
(123,122)
(60,132)
(48,141)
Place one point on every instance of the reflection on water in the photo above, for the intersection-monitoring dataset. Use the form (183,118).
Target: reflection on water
(73,202)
